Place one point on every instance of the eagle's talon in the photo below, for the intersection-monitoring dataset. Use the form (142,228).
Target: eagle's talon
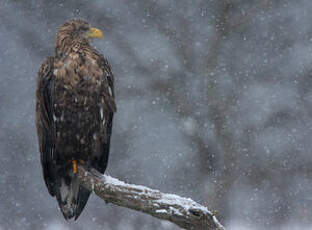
(74,162)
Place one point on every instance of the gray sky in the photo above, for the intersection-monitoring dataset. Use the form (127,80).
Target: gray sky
(214,103)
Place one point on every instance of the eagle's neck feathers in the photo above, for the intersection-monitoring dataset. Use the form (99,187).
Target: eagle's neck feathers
(65,43)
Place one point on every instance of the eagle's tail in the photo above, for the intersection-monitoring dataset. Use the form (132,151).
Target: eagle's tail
(71,197)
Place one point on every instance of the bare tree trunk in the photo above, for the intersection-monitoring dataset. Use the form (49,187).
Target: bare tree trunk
(183,212)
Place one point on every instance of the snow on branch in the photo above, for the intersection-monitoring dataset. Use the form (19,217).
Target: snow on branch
(183,212)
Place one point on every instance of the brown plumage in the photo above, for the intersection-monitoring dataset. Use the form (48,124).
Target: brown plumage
(74,112)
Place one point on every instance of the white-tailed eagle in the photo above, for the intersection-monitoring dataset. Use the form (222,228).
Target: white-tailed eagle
(74,112)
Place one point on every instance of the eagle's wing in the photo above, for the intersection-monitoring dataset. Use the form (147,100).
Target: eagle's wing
(109,107)
(45,123)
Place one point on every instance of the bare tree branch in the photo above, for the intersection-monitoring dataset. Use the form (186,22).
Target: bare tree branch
(183,212)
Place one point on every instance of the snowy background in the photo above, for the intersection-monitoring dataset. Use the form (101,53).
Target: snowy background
(214,103)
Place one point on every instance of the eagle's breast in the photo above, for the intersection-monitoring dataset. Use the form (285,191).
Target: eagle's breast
(78,105)
(77,68)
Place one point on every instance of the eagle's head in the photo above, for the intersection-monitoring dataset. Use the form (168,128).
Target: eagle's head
(73,32)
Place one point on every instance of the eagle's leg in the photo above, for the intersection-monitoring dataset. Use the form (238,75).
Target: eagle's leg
(75,166)
(74,162)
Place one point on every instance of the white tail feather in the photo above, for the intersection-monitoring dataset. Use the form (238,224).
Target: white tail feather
(69,196)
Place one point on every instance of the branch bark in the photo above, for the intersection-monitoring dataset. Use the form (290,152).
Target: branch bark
(183,212)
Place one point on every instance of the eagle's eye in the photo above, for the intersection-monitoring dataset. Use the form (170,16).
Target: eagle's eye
(81,30)
(84,28)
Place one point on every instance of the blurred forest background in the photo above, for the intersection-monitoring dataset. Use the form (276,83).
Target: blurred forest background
(214,103)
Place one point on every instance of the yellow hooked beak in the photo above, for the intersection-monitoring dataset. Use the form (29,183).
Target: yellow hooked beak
(95,33)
